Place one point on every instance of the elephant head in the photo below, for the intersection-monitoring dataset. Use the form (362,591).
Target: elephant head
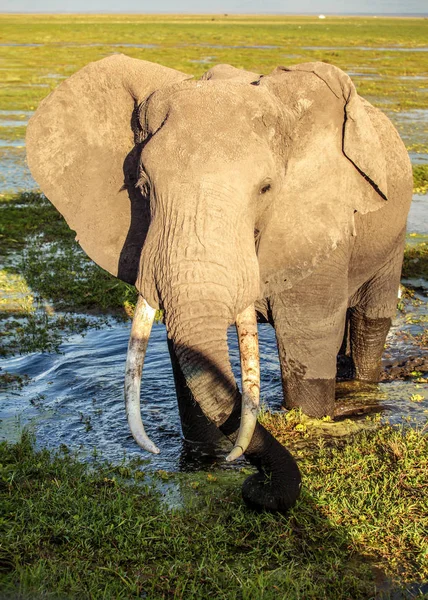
(208,195)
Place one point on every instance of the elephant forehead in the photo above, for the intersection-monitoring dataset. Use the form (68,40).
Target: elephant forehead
(212,104)
(209,122)
(203,147)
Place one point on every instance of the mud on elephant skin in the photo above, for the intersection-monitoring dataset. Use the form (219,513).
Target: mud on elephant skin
(285,195)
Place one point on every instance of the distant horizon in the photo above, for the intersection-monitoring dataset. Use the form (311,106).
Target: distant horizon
(220,13)
(329,8)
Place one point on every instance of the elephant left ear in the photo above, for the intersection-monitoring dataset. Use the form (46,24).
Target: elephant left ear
(360,143)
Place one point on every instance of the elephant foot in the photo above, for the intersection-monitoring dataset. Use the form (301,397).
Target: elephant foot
(276,487)
(315,397)
(261,494)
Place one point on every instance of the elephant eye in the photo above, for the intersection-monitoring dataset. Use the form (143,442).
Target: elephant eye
(265,188)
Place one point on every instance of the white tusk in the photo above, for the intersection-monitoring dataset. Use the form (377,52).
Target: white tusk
(140,332)
(246,325)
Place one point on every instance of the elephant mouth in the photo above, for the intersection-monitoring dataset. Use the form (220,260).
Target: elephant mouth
(246,325)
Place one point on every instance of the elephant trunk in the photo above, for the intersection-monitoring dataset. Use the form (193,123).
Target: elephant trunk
(201,348)
(198,331)
(203,356)
(202,286)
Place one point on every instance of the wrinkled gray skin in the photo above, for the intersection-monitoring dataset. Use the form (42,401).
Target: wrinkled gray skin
(288,191)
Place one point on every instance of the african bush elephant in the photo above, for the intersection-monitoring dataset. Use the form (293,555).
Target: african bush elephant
(285,193)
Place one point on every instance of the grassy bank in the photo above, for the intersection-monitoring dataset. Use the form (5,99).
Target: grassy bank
(71,531)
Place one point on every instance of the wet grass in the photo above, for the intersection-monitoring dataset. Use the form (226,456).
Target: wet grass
(12,133)
(47,278)
(50,254)
(74,531)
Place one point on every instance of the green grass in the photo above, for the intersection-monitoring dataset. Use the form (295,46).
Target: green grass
(49,253)
(66,43)
(34,308)
(74,531)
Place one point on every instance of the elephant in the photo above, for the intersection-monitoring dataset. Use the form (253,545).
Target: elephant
(227,199)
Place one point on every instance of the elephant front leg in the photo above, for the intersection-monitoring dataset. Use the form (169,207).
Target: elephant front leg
(309,326)
(195,425)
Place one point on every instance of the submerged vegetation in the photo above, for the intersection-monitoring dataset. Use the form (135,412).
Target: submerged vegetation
(415,262)
(34,307)
(358,530)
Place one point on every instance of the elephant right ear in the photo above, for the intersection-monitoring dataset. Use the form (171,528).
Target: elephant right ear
(82,151)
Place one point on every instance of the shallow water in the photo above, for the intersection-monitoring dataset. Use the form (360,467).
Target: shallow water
(14,173)
(11,143)
(11,123)
(21,45)
(412,125)
(364,75)
(413,78)
(222,46)
(418,158)
(76,397)
(203,61)
(14,118)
